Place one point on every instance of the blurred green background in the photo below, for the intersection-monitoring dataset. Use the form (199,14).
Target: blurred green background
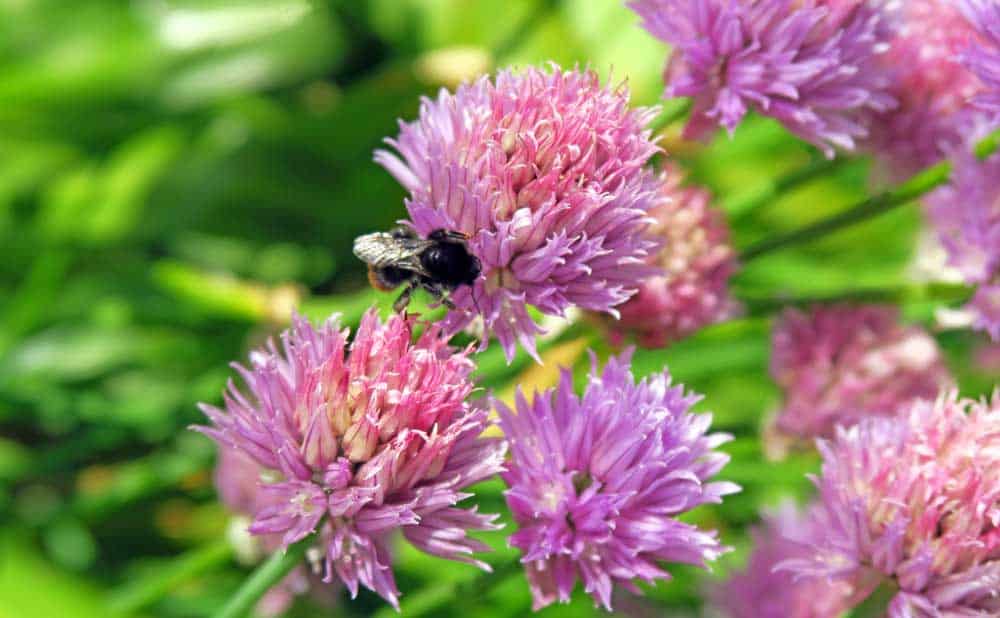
(176,176)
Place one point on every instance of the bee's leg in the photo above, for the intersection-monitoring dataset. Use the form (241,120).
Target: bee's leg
(404,299)
(440,294)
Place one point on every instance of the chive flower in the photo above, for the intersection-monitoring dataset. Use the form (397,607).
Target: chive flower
(813,66)
(356,441)
(545,172)
(596,484)
(912,505)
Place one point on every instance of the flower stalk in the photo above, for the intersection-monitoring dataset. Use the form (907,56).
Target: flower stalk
(674,111)
(917,186)
(937,293)
(877,603)
(269,573)
(525,28)
(746,203)
(147,591)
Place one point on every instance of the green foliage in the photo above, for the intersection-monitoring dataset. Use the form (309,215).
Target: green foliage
(175,176)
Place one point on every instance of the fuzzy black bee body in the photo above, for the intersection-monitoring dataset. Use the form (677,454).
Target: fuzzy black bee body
(439,264)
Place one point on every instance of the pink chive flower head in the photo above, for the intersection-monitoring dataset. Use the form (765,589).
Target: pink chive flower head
(695,262)
(914,502)
(544,170)
(982,58)
(596,482)
(758,591)
(966,215)
(841,363)
(812,65)
(930,84)
(354,442)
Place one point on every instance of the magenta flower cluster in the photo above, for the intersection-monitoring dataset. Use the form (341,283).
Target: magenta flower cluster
(695,261)
(813,66)
(913,504)
(596,483)
(839,364)
(544,176)
(353,442)
(345,443)
(544,170)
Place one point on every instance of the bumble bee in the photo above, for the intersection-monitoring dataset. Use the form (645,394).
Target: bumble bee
(439,264)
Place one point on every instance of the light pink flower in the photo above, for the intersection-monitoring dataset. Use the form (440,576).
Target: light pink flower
(914,501)
(842,363)
(758,591)
(696,261)
(930,84)
(966,215)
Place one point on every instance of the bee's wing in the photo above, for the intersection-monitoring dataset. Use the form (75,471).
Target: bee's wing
(380,250)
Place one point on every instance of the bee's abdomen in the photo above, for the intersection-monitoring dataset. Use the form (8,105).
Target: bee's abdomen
(388,277)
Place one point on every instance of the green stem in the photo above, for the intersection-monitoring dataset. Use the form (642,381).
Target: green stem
(264,578)
(938,293)
(430,599)
(748,202)
(524,28)
(915,187)
(877,603)
(674,110)
(147,591)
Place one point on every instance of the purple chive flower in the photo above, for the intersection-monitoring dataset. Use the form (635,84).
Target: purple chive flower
(842,363)
(966,215)
(759,592)
(931,86)
(696,261)
(914,503)
(596,483)
(545,172)
(983,57)
(356,441)
(813,66)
